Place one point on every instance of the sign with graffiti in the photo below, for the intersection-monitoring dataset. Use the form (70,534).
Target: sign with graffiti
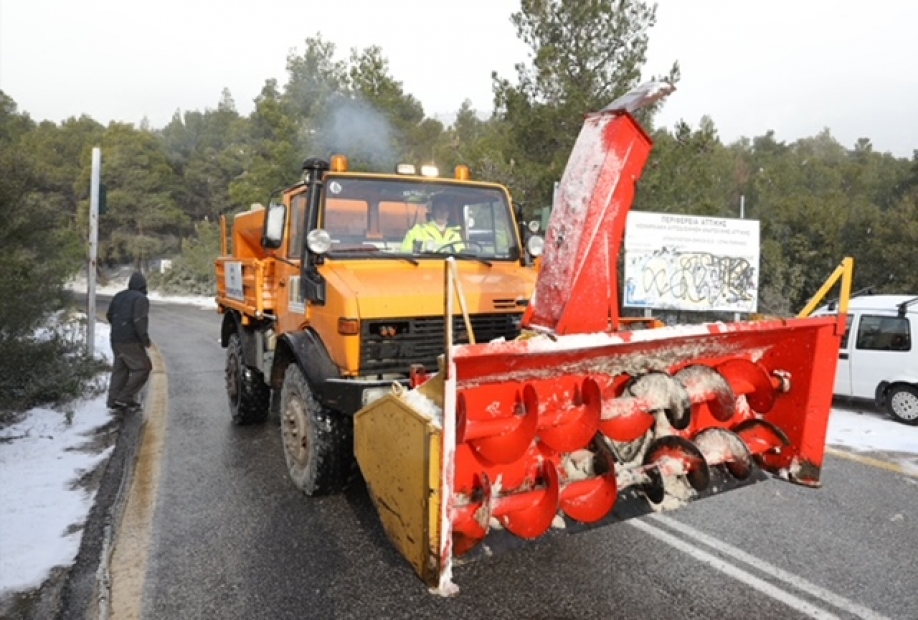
(688,262)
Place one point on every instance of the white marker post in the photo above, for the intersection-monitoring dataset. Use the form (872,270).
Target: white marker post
(93,251)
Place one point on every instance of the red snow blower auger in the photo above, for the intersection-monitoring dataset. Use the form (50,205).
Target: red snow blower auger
(580,423)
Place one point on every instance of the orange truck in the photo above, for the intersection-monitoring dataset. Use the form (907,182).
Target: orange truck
(488,398)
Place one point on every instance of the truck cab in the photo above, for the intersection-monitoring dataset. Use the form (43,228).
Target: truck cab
(333,293)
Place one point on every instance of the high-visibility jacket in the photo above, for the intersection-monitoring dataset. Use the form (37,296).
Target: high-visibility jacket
(430,237)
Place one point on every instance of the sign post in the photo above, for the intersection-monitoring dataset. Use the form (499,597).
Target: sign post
(93,251)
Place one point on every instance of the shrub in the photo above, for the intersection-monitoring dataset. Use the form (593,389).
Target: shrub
(192,272)
(49,367)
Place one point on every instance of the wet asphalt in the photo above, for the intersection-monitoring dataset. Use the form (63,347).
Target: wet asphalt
(232,538)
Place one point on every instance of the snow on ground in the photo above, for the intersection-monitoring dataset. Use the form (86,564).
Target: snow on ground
(862,428)
(39,470)
(111,288)
(42,458)
(42,508)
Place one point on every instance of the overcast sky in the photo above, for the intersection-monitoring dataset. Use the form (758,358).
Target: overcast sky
(793,66)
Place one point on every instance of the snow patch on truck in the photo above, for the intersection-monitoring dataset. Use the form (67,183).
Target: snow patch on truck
(423,405)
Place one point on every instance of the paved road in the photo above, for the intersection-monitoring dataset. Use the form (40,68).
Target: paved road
(229,536)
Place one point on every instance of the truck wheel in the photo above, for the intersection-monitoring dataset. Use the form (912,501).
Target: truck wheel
(902,404)
(249,396)
(317,441)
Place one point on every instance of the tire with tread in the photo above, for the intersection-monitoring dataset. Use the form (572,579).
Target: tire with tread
(249,396)
(902,403)
(317,441)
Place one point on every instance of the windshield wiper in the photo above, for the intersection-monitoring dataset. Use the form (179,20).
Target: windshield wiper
(375,252)
(460,255)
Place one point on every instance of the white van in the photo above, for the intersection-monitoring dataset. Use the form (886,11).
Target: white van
(878,359)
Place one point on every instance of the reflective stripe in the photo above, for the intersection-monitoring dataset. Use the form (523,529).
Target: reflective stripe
(430,232)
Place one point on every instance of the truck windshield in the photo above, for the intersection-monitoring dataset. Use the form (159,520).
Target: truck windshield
(417,217)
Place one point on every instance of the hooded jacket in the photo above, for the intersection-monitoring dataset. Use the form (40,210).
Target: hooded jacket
(128,313)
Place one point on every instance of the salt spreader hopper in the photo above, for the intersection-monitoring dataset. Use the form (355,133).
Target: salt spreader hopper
(578,422)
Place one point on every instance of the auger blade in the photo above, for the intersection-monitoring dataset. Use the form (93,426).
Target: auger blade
(659,391)
(624,419)
(498,430)
(722,447)
(707,388)
(750,380)
(568,426)
(671,458)
(529,514)
(590,488)
(767,443)
(472,521)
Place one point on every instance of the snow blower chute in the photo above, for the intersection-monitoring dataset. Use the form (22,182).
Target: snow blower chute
(578,423)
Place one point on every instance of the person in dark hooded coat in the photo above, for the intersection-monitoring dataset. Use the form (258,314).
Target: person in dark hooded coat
(128,315)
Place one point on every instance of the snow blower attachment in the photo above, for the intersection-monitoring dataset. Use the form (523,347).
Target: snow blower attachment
(577,423)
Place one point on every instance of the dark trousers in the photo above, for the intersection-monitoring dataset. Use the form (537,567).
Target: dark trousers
(130,370)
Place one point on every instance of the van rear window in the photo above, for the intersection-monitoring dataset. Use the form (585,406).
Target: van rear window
(884,333)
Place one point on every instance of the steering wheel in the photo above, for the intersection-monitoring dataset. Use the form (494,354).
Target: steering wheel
(477,247)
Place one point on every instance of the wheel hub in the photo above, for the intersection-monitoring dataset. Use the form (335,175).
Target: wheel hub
(905,405)
(296,441)
(232,378)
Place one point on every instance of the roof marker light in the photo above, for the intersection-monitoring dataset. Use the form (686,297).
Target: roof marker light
(405,169)
(338,163)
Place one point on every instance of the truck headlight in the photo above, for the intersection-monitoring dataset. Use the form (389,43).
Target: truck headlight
(535,245)
(318,241)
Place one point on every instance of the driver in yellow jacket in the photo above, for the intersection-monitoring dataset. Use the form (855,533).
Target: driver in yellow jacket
(433,235)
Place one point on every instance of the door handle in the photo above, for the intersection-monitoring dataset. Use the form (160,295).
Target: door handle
(842,356)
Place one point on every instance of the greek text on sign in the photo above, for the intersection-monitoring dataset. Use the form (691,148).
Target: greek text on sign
(688,262)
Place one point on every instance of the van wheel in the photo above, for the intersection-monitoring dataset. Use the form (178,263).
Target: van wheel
(317,441)
(249,396)
(902,404)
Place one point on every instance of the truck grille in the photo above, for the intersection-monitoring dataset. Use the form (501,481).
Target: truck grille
(393,345)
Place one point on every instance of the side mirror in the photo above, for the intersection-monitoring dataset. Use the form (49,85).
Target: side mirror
(274,225)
